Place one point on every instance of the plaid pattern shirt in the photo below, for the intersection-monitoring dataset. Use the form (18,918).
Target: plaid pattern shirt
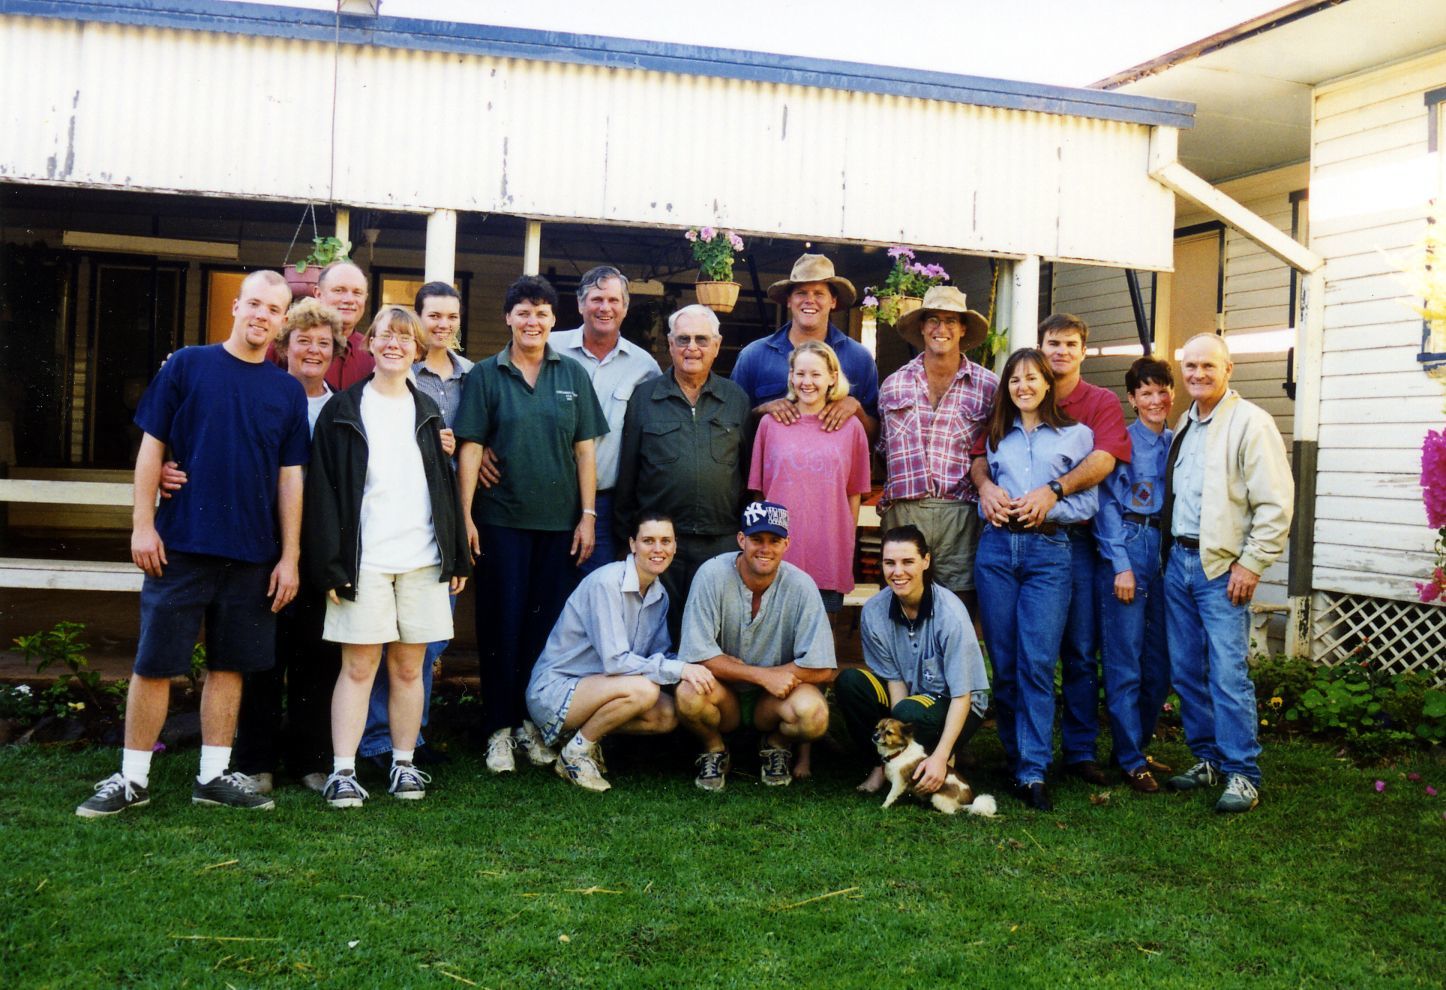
(927,449)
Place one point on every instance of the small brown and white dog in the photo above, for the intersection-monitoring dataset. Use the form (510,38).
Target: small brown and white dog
(902,755)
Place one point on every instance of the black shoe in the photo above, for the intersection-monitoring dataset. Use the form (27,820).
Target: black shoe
(1087,770)
(1034,795)
(426,756)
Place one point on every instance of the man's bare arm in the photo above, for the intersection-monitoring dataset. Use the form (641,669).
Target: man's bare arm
(285,577)
(147,551)
(777,681)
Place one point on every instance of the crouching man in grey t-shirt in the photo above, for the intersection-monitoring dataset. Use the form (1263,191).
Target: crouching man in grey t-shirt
(759,626)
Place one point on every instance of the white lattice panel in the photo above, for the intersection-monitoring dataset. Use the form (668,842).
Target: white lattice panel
(1401,636)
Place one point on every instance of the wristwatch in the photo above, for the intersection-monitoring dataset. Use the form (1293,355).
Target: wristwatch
(1057,488)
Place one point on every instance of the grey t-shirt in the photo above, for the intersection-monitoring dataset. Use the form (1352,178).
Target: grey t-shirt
(936,654)
(790,627)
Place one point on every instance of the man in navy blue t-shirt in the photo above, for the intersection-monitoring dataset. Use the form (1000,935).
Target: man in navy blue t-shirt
(223,549)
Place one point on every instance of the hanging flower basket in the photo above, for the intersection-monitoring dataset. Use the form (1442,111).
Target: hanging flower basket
(303,284)
(720,297)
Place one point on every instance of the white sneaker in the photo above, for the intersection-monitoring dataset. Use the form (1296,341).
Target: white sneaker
(499,752)
(530,741)
(582,771)
(263,783)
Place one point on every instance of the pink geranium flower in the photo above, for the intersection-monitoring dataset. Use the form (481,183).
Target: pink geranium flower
(1433,478)
(1380,786)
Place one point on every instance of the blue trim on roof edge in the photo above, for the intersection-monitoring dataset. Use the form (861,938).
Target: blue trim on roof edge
(617,53)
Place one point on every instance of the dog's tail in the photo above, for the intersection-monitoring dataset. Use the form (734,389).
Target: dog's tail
(983,805)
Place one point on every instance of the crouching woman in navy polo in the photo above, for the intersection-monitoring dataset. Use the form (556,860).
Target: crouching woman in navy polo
(923,663)
(1022,568)
(383,532)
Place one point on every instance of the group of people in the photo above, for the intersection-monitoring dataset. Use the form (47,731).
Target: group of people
(662,549)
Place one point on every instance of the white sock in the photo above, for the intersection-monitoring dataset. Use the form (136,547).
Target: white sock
(402,755)
(136,766)
(214,761)
(577,746)
(343,763)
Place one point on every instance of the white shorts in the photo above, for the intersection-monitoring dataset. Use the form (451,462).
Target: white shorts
(392,608)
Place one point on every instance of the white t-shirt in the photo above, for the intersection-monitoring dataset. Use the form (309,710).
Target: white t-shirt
(396,513)
(314,404)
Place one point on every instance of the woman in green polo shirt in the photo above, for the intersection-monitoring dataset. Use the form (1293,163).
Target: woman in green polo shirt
(536,411)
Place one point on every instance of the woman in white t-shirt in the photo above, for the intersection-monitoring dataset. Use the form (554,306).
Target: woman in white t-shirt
(383,533)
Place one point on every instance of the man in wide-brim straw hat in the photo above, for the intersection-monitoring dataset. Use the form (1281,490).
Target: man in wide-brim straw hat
(811,292)
(931,412)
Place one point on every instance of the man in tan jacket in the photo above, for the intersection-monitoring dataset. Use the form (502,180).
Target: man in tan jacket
(1228,503)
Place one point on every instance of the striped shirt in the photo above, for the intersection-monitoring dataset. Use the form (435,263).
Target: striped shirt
(927,448)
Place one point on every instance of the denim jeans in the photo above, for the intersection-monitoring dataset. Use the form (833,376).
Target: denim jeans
(1136,660)
(1209,643)
(605,550)
(377,739)
(1023,582)
(1078,651)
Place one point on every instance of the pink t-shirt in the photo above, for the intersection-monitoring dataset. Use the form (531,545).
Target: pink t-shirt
(812,474)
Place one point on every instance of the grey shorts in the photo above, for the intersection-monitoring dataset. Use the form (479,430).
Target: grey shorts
(952,529)
(548,699)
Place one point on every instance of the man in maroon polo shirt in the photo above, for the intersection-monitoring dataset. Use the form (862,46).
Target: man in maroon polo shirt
(1062,338)
(342,287)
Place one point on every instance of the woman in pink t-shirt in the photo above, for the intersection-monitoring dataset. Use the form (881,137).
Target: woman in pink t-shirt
(820,476)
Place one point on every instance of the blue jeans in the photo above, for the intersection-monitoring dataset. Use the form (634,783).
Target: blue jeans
(1209,643)
(377,739)
(605,550)
(1136,661)
(1078,651)
(1023,582)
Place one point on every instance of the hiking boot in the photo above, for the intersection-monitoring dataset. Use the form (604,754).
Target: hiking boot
(499,752)
(582,771)
(712,770)
(343,790)
(1142,781)
(1240,795)
(112,796)
(231,790)
(530,741)
(314,781)
(407,782)
(776,766)
(1202,774)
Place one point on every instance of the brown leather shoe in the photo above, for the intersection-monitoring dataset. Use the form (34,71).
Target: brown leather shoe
(1155,766)
(1142,781)
(1088,771)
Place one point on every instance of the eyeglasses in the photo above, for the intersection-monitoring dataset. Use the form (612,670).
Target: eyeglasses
(698,340)
(947,321)
(394,336)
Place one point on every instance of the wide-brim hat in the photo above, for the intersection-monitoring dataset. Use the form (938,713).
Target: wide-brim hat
(814,268)
(943,299)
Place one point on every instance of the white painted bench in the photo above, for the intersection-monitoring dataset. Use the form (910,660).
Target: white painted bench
(70,575)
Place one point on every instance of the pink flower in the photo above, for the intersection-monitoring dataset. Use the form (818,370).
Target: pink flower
(871,301)
(899,251)
(1430,791)
(1380,786)
(1167,707)
(1428,592)
(1413,776)
(691,235)
(1433,478)
(735,240)
(707,234)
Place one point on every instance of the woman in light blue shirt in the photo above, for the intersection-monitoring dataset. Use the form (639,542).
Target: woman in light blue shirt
(1022,568)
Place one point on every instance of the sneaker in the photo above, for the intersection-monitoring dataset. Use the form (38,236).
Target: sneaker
(1142,781)
(776,766)
(233,790)
(530,741)
(1202,774)
(499,752)
(112,796)
(598,758)
(582,771)
(263,783)
(407,782)
(343,790)
(1240,795)
(712,770)
(314,781)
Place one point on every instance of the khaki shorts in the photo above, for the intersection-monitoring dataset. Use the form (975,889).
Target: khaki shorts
(392,608)
(952,529)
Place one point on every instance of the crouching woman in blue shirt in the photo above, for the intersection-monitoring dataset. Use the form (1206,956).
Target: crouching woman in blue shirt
(1022,567)
(608,657)
(923,663)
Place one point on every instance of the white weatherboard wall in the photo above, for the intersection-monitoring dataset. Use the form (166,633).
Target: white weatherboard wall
(548,139)
(1371,177)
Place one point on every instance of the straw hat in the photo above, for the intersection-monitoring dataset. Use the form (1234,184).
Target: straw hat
(814,268)
(943,299)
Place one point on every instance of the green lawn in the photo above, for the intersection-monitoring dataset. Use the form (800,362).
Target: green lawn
(527,882)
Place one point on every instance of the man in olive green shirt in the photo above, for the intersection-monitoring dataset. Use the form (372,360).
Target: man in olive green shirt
(683,454)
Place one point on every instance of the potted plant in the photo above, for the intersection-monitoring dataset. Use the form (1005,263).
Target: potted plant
(903,290)
(303,275)
(713,250)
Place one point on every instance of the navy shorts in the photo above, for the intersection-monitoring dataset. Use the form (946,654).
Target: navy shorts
(229,595)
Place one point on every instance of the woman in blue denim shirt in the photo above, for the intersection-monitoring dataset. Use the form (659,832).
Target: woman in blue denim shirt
(1022,566)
